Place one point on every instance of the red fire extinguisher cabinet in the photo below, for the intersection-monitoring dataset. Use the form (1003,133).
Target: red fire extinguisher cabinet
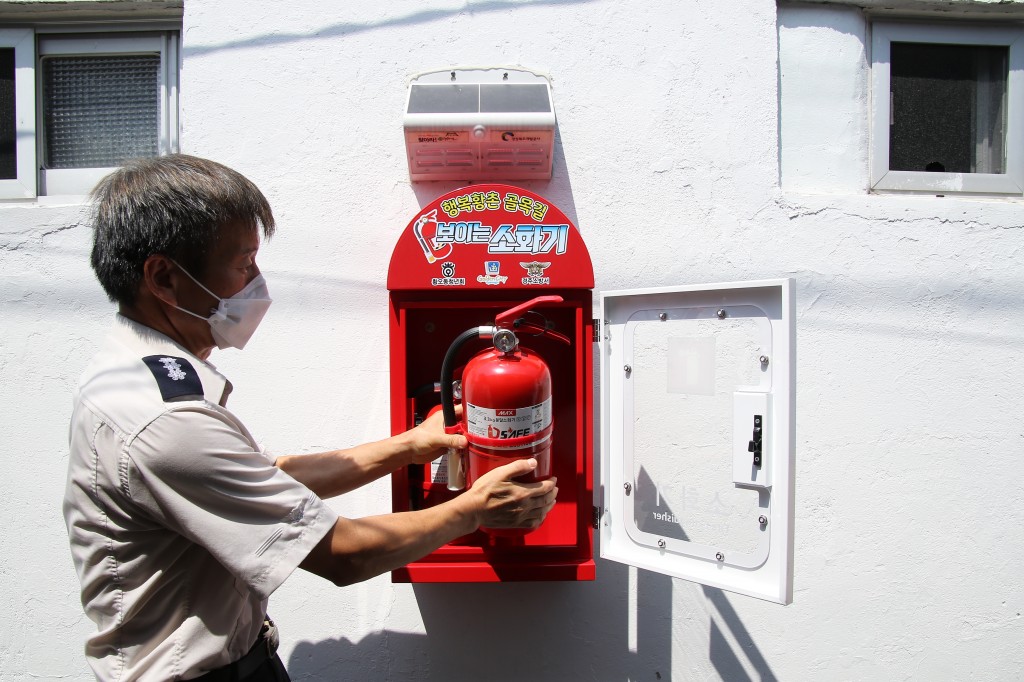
(697,402)
(464,258)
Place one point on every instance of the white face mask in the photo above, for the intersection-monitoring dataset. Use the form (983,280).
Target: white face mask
(236,317)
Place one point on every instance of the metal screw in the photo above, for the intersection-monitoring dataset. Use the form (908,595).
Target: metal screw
(627,369)
(627,487)
(721,313)
(764,359)
(661,543)
(763,520)
(720,556)
(662,316)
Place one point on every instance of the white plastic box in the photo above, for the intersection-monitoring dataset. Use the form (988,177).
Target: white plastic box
(477,125)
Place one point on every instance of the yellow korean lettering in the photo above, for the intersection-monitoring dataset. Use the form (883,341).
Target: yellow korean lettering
(450,207)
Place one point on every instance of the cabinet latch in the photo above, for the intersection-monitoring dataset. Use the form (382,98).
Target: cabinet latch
(754,446)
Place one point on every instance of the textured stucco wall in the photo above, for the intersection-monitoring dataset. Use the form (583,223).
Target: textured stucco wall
(670,117)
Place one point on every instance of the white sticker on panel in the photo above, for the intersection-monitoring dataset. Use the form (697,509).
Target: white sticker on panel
(691,365)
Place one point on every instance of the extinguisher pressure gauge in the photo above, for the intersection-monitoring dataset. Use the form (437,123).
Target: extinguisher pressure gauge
(505,340)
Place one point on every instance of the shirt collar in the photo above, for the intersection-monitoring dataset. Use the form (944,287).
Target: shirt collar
(145,341)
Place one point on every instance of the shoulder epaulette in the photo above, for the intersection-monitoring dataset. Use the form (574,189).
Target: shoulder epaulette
(175,376)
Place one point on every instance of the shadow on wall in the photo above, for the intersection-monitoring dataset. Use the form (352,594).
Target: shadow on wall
(722,655)
(512,632)
(540,631)
(344,29)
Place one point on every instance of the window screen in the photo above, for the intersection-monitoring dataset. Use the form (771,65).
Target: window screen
(100,111)
(8,129)
(948,108)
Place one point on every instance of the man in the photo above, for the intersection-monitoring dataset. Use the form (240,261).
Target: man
(180,526)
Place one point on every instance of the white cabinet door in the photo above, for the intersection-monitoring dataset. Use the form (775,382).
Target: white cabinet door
(697,433)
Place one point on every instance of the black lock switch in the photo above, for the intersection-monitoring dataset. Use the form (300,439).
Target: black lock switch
(754,445)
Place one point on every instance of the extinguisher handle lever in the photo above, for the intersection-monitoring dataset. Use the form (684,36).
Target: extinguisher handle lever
(508,318)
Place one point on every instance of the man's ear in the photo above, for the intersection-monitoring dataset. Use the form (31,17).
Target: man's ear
(161,277)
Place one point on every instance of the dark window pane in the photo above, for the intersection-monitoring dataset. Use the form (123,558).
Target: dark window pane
(100,111)
(948,108)
(8,129)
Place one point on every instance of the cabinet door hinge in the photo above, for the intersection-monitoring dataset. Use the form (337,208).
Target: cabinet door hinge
(598,511)
(597,330)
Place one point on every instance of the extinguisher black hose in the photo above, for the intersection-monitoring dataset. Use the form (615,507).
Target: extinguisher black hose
(447,369)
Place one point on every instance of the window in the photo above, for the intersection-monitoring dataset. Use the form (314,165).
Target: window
(17,114)
(75,104)
(947,109)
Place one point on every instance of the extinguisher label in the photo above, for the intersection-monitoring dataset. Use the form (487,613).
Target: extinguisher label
(439,470)
(508,422)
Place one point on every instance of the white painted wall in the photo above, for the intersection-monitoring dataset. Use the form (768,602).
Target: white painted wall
(910,531)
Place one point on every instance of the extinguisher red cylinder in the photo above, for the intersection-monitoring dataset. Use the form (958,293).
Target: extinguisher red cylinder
(506,400)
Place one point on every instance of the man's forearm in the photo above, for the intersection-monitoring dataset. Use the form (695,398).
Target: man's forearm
(358,549)
(332,473)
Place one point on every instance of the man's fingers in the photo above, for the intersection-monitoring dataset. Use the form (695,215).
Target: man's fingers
(454,440)
(523,467)
(519,467)
(512,503)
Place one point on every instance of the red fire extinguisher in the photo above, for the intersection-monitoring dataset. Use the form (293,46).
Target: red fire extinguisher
(506,398)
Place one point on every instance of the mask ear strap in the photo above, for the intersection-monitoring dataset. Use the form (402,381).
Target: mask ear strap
(198,317)
(200,284)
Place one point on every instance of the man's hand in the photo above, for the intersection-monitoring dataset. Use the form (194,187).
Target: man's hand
(505,503)
(357,549)
(339,471)
(428,441)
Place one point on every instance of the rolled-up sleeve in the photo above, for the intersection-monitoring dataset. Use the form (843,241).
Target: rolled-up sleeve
(199,472)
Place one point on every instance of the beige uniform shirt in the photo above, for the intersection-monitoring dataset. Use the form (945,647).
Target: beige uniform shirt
(180,525)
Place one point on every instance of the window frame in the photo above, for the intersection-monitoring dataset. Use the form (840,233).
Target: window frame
(883,34)
(23,185)
(40,40)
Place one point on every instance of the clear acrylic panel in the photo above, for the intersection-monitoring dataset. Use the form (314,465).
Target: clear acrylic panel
(685,373)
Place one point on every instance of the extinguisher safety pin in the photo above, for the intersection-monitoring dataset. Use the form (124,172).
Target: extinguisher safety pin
(537,328)
(544,327)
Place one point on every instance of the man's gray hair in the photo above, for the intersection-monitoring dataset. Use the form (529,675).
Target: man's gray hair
(172,205)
